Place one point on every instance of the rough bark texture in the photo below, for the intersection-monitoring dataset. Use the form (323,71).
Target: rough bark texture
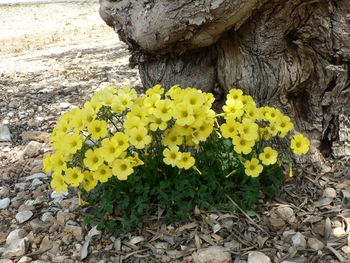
(293,54)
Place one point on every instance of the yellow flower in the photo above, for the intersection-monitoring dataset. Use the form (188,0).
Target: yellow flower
(235,94)
(157,123)
(61,127)
(110,150)
(183,130)
(194,98)
(248,130)
(58,162)
(97,129)
(183,113)
(93,159)
(150,102)
(132,122)
(122,102)
(241,145)
(253,168)
(272,128)
(251,112)
(139,138)
(88,115)
(163,109)
(268,156)
(300,144)
(171,138)
(58,183)
(202,132)
(234,108)
(121,140)
(272,114)
(157,89)
(186,161)
(73,142)
(93,105)
(171,156)
(122,168)
(138,111)
(284,125)
(103,173)
(135,160)
(264,134)
(77,123)
(247,101)
(230,128)
(73,177)
(47,166)
(89,181)
(126,90)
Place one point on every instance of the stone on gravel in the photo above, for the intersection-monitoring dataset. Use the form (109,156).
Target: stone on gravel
(4,192)
(37,225)
(5,135)
(315,244)
(63,217)
(23,216)
(25,259)
(212,254)
(39,136)
(54,195)
(4,203)
(6,260)
(329,193)
(15,235)
(299,240)
(286,213)
(47,217)
(16,249)
(36,182)
(258,257)
(77,231)
(36,176)
(31,150)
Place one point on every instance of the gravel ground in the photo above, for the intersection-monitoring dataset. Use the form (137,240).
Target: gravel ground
(49,66)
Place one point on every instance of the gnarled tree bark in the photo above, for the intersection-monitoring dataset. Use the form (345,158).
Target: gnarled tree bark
(293,54)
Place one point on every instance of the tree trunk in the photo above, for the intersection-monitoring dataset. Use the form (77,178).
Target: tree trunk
(293,54)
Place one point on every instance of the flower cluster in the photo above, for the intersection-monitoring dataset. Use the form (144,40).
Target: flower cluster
(114,132)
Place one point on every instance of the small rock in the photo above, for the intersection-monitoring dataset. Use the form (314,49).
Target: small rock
(23,216)
(63,217)
(4,203)
(54,195)
(47,217)
(77,231)
(329,193)
(298,240)
(15,235)
(4,192)
(25,259)
(258,257)
(38,225)
(6,260)
(315,244)
(5,135)
(35,136)
(36,176)
(346,249)
(17,248)
(212,254)
(286,213)
(339,232)
(31,150)
(21,186)
(36,182)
